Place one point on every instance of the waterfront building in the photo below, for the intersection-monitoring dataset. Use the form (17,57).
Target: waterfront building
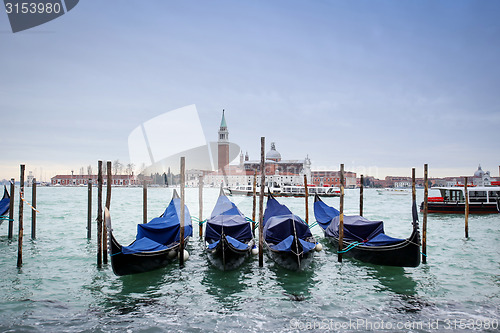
(81,180)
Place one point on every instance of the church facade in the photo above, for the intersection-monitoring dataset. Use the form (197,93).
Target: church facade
(278,171)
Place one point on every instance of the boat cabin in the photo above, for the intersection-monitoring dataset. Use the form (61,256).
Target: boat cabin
(476,194)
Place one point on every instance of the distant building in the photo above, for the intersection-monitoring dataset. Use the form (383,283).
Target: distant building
(278,171)
(223,144)
(481,178)
(332,178)
(80,180)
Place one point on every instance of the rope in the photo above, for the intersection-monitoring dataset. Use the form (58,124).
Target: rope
(22,197)
(350,247)
(197,220)
(5,218)
(409,241)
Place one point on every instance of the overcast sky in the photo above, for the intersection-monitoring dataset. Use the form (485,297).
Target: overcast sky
(381,86)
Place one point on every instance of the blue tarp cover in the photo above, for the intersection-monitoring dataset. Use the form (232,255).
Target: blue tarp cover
(280,227)
(274,208)
(224,206)
(213,245)
(164,230)
(227,218)
(356,228)
(286,245)
(324,214)
(382,239)
(234,242)
(5,202)
(237,244)
(279,224)
(143,245)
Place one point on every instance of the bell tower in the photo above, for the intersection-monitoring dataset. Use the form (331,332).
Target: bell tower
(223,144)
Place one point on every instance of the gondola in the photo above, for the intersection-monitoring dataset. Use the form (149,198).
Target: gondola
(4,205)
(228,235)
(366,241)
(287,239)
(157,242)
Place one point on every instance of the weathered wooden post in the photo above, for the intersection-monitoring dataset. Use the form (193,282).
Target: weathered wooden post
(11,208)
(413,186)
(307,199)
(21,228)
(109,182)
(99,214)
(261,199)
(424,219)
(144,201)
(200,204)
(33,211)
(89,209)
(254,202)
(361,196)
(341,217)
(181,233)
(466,209)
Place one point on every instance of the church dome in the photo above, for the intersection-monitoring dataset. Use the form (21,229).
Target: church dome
(273,154)
(479,173)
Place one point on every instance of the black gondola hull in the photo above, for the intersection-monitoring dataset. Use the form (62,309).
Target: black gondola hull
(226,257)
(404,254)
(126,264)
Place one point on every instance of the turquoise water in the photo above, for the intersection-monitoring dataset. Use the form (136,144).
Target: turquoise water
(59,288)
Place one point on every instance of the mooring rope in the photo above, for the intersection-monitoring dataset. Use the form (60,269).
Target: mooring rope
(195,219)
(5,218)
(350,247)
(22,197)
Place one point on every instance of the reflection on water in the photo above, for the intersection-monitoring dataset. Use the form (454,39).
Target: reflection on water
(393,279)
(399,282)
(228,287)
(296,286)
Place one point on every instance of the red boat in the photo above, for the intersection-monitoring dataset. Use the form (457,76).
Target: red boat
(482,200)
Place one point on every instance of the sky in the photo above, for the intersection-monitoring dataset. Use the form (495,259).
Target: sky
(381,86)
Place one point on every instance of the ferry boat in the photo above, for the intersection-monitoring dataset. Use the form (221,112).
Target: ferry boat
(300,191)
(482,200)
(287,191)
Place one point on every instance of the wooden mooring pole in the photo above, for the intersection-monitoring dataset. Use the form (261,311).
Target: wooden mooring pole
(89,209)
(109,182)
(21,228)
(33,211)
(341,217)
(466,209)
(307,198)
(413,186)
(261,200)
(424,219)
(361,196)
(181,233)
(99,214)
(254,202)
(11,208)
(144,201)
(200,204)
